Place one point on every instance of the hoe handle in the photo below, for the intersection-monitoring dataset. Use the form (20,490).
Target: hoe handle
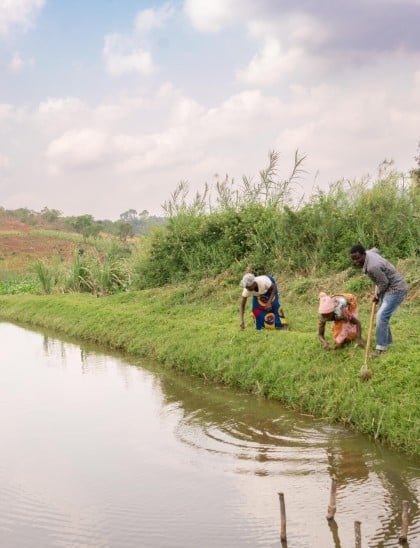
(369,335)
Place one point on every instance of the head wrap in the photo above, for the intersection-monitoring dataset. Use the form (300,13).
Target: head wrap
(326,304)
(248,279)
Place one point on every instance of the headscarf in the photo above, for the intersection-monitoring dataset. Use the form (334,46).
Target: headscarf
(326,303)
(248,279)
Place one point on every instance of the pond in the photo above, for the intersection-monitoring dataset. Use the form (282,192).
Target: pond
(99,450)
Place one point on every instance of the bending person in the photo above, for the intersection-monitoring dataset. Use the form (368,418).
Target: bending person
(265,302)
(391,290)
(342,311)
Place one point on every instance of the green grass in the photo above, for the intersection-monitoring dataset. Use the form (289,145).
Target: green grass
(195,329)
(61,235)
(19,285)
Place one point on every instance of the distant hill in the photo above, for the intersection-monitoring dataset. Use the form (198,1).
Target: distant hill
(27,236)
(22,244)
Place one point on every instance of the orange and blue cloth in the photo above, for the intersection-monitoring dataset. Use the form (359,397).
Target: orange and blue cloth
(346,308)
(268,319)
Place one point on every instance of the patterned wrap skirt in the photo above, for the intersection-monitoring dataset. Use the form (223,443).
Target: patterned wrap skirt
(268,319)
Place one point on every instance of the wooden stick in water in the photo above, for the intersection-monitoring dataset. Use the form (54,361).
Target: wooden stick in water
(332,505)
(283,536)
(358,534)
(404,526)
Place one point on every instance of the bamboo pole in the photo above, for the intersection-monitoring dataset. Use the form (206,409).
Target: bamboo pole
(332,505)
(404,525)
(283,536)
(358,534)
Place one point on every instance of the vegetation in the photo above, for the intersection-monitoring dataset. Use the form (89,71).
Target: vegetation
(84,225)
(290,366)
(258,227)
(180,281)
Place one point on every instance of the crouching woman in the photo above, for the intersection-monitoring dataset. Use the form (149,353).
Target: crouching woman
(342,311)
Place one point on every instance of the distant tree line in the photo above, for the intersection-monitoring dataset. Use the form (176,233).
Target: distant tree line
(128,225)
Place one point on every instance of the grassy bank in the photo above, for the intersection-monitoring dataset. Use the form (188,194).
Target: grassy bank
(195,328)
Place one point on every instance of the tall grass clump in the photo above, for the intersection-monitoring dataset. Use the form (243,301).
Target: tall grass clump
(88,272)
(97,275)
(45,276)
(257,225)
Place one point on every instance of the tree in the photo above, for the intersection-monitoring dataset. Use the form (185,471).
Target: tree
(129,216)
(415,173)
(85,225)
(50,215)
(124,230)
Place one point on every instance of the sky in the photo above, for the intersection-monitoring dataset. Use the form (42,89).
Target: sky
(106,105)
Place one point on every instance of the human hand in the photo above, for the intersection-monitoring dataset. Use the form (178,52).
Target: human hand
(375,299)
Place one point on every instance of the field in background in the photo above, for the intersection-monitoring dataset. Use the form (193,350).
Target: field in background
(21,244)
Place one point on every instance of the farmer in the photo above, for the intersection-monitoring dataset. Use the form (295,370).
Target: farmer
(342,311)
(265,302)
(391,289)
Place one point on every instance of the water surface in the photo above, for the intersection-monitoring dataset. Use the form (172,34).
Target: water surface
(100,451)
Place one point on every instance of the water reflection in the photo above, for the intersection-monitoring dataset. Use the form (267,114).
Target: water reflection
(278,443)
(101,453)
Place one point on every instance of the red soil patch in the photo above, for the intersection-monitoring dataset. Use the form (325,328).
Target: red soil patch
(19,246)
(35,246)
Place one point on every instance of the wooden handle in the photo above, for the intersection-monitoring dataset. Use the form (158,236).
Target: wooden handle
(369,335)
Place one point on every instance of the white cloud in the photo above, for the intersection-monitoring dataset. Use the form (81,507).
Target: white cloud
(211,16)
(4,163)
(346,132)
(7,112)
(291,28)
(122,56)
(57,115)
(286,50)
(77,150)
(273,64)
(153,18)
(16,64)
(146,137)
(158,151)
(18,13)
(57,105)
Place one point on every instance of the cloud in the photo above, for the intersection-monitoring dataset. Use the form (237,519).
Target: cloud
(346,132)
(6,111)
(153,18)
(77,150)
(59,105)
(160,151)
(4,163)
(16,64)
(56,115)
(213,16)
(277,78)
(273,64)
(288,50)
(18,13)
(122,56)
